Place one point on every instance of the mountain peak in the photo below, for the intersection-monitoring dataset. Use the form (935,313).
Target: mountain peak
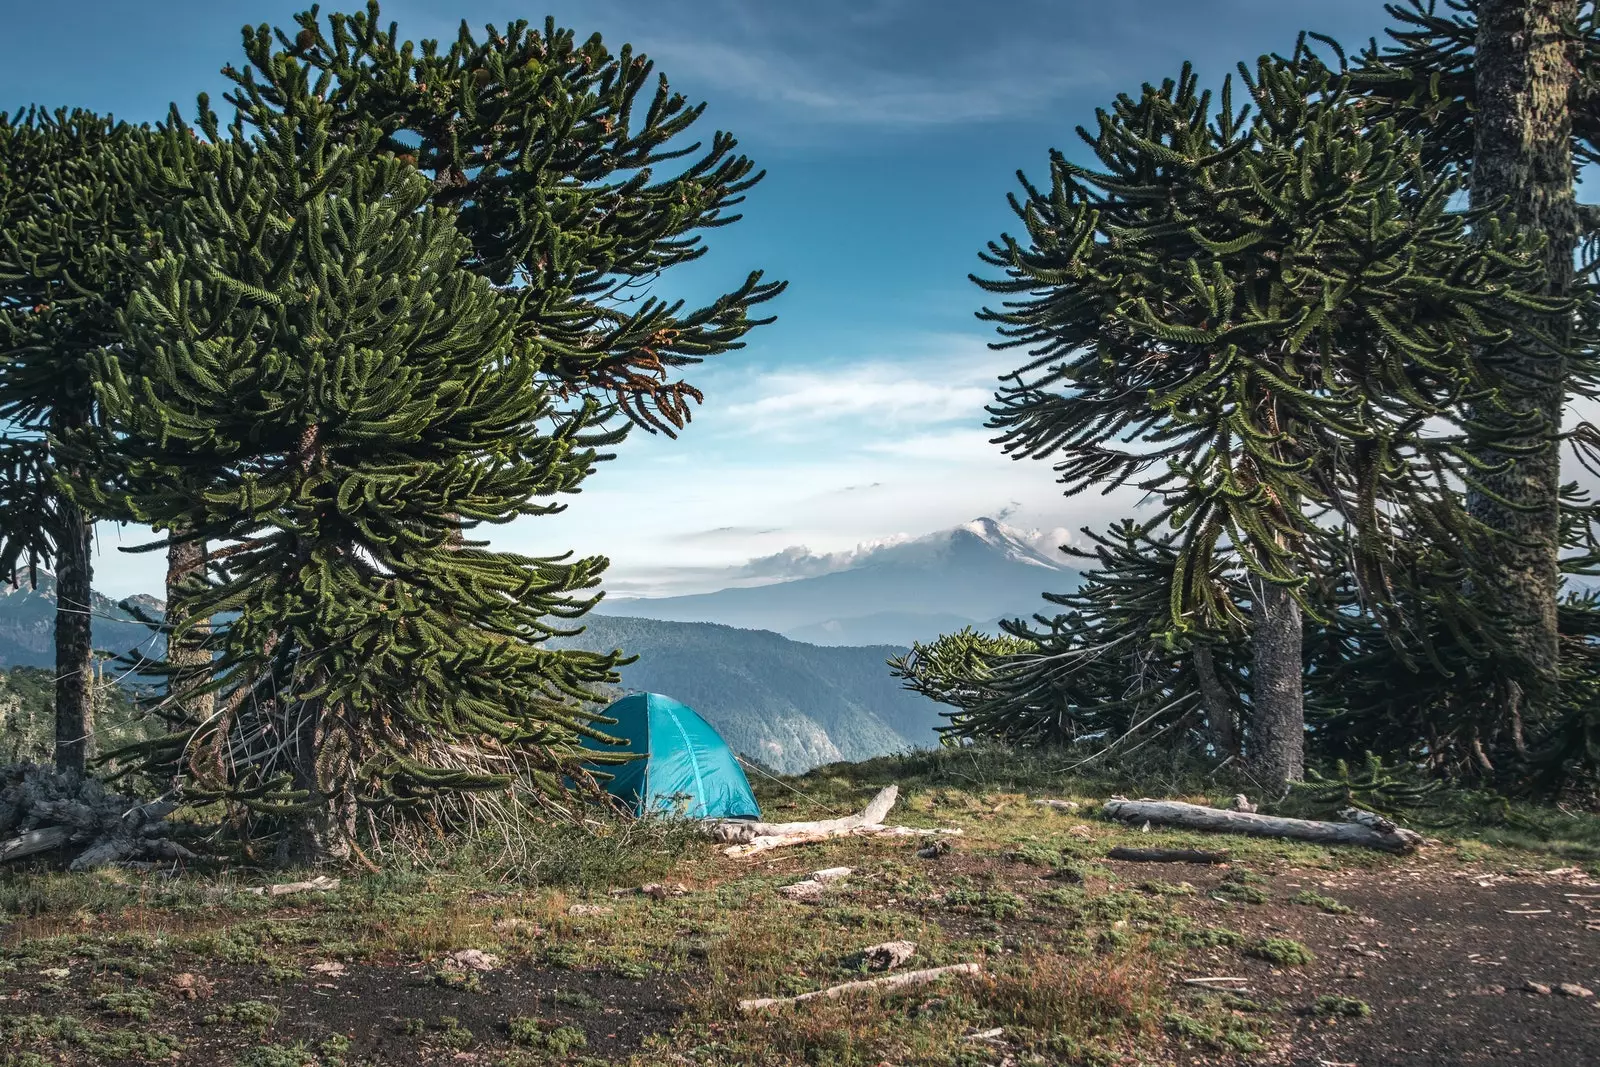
(1010,542)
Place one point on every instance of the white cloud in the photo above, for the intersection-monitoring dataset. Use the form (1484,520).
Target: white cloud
(823,87)
(888,393)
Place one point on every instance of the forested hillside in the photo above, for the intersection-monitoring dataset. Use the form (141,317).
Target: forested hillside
(788,704)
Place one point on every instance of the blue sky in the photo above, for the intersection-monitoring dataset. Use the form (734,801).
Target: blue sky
(890,130)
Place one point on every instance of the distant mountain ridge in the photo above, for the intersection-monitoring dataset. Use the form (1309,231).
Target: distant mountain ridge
(893,594)
(28,624)
(788,704)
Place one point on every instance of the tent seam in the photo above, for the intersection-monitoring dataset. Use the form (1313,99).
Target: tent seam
(694,761)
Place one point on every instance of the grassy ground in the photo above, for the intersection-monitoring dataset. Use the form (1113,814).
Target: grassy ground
(1083,959)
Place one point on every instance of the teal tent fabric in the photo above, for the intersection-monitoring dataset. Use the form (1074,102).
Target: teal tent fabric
(687,767)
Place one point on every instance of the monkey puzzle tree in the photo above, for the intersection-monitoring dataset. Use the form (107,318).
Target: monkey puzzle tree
(81,198)
(553,170)
(1278,317)
(1104,670)
(573,192)
(1504,94)
(345,396)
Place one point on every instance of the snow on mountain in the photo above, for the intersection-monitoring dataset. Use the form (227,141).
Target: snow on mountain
(887,592)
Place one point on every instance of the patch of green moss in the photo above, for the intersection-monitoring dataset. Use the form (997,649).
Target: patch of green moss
(1348,1007)
(1321,902)
(1283,951)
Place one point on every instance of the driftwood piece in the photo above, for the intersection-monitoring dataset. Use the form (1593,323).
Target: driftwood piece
(743,831)
(811,889)
(320,884)
(1166,855)
(1359,828)
(747,838)
(51,837)
(888,981)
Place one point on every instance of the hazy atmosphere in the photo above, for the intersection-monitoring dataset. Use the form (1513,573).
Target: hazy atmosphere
(891,132)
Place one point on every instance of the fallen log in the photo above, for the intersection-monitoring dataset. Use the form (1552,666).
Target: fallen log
(1359,828)
(1166,855)
(50,837)
(748,838)
(888,981)
(743,831)
(320,884)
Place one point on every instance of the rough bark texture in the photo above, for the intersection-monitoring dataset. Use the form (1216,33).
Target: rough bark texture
(324,833)
(1219,712)
(185,651)
(1277,695)
(1522,154)
(1361,828)
(74,642)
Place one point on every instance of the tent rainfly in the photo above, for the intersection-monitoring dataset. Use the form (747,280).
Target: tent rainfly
(686,769)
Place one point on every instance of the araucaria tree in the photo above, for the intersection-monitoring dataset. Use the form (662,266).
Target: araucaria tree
(81,198)
(1504,93)
(571,176)
(326,397)
(1269,322)
(1105,670)
(574,197)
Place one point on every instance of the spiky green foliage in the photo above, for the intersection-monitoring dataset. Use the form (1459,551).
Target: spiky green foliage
(1104,670)
(958,668)
(345,393)
(571,175)
(81,198)
(1253,319)
(1428,78)
(1388,790)
(1424,77)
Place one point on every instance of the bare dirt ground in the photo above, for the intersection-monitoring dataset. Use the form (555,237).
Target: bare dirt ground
(1464,954)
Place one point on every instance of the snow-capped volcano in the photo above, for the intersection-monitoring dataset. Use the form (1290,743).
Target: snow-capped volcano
(888,592)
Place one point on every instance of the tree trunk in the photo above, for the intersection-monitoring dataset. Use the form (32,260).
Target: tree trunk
(74,640)
(1277,689)
(1522,155)
(1359,828)
(186,652)
(1219,712)
(321,835)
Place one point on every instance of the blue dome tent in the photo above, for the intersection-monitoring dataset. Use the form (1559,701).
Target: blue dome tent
(687,767)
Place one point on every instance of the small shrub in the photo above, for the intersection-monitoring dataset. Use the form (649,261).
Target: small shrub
(334,1048)
(993,903)
(1324,903)
(254,1015)
(578,1000)
(563,957)
(1348,1007)
(633,970)
(466,981)
(295,1055)
(1282,951)
(1213,937)
(452,1034)
(127,1004)
(552,1037)
(1035,855)
(133,968)
(1242,887)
